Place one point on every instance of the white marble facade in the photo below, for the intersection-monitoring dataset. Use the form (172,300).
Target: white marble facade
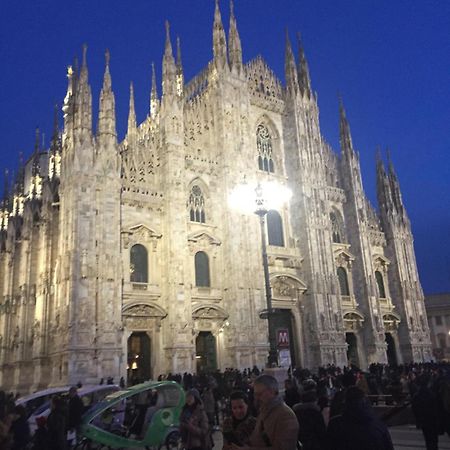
(71,293)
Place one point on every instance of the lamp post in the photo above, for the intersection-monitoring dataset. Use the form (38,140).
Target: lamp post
(264,196)
(261,212)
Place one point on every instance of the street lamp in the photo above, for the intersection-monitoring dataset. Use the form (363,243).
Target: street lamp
(261,199)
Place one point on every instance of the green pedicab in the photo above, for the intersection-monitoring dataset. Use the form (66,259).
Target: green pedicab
(146,415)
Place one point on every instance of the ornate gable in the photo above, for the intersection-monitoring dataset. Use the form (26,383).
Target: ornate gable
(343,257)
(380,262)
(203,237)
(264,86)
(140,233)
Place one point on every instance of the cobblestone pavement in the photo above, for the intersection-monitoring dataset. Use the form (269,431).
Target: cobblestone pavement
(408,437)
(405,437)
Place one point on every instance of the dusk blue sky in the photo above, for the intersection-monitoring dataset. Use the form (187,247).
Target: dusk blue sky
(388,59)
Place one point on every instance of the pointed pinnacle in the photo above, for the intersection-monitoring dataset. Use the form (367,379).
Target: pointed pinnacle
(232,9)
(55,122)
(107,57)
(153,78)
(36,142)
(83,64)
(178,52)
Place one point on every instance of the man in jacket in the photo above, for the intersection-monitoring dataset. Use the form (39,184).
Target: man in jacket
(276,425)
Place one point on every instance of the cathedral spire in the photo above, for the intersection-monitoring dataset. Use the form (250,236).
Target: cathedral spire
(131,113)
(345,136)
(180,76)
(304,80)
(83,100)
(169,68)
(55,148)
(219,40)
(290,69)
(107,115)
(234,43)
(394,185)
(154,101)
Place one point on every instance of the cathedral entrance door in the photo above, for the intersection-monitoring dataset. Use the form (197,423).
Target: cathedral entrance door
(391,351)
(139,366)
(206,352)
(282,320)
(352,349)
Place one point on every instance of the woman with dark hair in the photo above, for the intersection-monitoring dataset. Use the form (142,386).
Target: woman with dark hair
(239,426)
(194,427)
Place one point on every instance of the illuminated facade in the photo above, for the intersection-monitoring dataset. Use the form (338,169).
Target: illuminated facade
(125,258)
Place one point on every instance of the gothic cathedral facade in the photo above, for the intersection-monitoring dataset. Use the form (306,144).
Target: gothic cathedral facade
(126,258)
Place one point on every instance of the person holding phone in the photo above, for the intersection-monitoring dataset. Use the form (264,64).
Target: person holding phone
(239,426)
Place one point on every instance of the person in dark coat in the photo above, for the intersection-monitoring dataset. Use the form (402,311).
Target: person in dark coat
(20,429)
(357,427)
(425,408)
(312,430)
(40,438)
(57,425)
(291,394)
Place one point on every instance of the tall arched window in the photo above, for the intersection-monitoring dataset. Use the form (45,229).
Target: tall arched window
(343,281)
(264,146)
(380,284)
(275,228)
(138,264)
(337,228)
(202,270)
(196,205)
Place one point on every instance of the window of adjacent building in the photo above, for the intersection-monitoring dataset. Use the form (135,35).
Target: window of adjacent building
(196,205)
(202,270)
(380,284)
(264,146)
(337,227)
(442,340)
(138,264)
(275,229)
(438,320)
(343,281)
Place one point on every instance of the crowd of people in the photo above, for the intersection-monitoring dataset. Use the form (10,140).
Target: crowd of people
(331,409)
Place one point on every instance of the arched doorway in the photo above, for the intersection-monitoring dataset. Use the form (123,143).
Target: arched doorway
(138,354)
(206,352)
(352,349)
(283,320)
(391,351)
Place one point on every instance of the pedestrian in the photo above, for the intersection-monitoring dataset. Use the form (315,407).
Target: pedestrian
(312,430)
(57,425)
(75,412)
(276,425)
(20,429)
(40,438)
(238,427)
(357,428)
(194,427)
(425,408)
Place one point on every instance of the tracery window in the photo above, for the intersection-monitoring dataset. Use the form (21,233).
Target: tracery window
(275,228)
(196,205)
(202,270)
(264,146)
(343,281)
(337,228)
(138,264)
(380,284)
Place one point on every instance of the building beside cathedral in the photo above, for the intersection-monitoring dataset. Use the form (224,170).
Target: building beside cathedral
(126,259)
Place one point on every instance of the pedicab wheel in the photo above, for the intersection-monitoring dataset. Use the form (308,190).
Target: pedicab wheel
(172,441)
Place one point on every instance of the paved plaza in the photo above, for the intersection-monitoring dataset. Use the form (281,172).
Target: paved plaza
(405,437)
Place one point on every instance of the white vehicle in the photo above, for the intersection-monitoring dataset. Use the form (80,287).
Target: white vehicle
(34,401)
(90,395)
